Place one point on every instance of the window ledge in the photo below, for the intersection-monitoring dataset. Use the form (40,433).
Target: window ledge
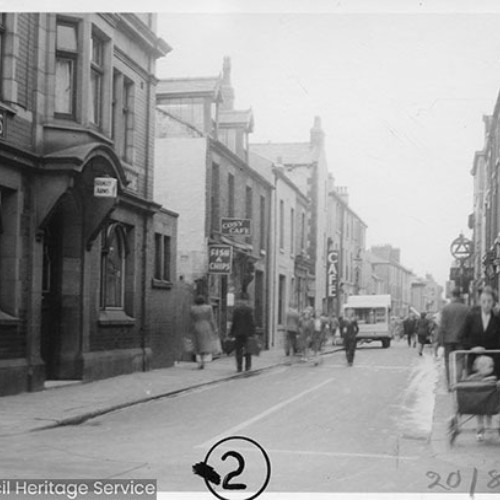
(155,283)
(7,319)
(7,108)
(115,318)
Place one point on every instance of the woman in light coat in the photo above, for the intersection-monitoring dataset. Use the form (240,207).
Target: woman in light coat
(205,330)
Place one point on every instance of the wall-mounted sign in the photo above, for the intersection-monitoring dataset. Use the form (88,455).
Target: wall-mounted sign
(220,259)
(238,227)
(332,272)
(105,187)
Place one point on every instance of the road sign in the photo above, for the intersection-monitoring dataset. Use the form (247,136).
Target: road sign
(105,187)
(332,272)
(461,248)
(235,227)
(220,259)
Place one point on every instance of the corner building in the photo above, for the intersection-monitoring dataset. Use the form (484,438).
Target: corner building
(203,172)
(76,104)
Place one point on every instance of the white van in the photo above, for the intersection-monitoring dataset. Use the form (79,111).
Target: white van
(373,314)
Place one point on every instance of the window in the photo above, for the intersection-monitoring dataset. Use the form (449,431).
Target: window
(230,195)
(292,230)
(66,63)
(96,78)
(2,43)
(162,257)
(249,208)
(113,260)
(215,197)
(126,121)
(262,223)
(114,102)
(281,299)
(303,232)
(282,224)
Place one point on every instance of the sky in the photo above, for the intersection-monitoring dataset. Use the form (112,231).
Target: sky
(401,97)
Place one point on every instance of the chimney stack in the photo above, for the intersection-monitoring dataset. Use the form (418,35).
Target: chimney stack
(226,87)
(317,134)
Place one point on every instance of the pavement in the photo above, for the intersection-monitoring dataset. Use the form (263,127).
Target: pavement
(75,403)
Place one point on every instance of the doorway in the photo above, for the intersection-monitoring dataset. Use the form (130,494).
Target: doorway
(60,334)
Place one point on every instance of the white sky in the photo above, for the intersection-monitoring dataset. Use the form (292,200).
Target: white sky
(401,97)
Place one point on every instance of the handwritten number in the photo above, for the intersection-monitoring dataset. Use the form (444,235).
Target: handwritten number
(241,465)
(458,480)
(434,475)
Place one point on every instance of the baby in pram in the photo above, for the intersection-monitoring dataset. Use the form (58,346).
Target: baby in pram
(482,370)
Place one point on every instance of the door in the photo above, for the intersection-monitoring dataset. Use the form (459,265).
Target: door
(51,298)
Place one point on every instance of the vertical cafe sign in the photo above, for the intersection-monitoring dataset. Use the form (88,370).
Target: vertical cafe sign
(332,273)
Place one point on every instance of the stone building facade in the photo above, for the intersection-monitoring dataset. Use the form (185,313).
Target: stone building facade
(76,104)
(292,268)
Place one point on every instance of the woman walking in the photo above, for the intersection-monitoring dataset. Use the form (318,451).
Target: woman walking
(423,332)
(205,330)
(349,329)
(482,331)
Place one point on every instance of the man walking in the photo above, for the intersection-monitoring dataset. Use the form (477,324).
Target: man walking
(349,328)
(242,328)
(450,330)
(410,329)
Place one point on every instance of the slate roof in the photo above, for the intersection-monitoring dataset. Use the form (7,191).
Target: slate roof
(189,86)
(236,117)
(291,153)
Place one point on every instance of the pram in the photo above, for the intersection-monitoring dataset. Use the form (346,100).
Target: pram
(470,397)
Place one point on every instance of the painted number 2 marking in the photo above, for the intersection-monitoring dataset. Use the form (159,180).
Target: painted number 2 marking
(241,465)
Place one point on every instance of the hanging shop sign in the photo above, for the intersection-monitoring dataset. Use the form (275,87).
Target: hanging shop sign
(105,187)
(220,259)
(235,227)
(332,273)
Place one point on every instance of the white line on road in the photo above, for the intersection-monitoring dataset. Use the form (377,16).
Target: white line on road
(375,367)
(233,430)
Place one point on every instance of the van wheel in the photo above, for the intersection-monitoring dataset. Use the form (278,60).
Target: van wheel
(386,343)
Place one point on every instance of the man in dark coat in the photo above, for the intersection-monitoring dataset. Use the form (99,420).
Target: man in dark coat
(242,328)
(410,329)
(349,328)
(451,327)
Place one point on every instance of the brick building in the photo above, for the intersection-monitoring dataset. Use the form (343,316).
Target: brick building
(386,262)
(76,104)
(202,149)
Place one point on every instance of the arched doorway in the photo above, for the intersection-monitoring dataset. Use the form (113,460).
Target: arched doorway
(61,286)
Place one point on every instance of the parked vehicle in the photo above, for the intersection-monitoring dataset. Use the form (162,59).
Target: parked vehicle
(373,316)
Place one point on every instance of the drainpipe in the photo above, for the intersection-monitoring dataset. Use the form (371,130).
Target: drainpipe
(145,232)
